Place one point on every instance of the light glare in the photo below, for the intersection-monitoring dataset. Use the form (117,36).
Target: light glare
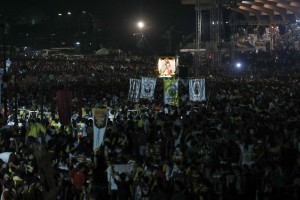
(140,24)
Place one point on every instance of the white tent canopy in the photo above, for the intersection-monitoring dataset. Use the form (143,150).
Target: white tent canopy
(102,52)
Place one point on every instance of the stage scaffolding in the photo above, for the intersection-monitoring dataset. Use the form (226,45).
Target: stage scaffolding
(210,50)
(255,15)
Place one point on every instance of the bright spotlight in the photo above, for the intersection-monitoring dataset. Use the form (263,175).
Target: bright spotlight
(238,65)
(141,25)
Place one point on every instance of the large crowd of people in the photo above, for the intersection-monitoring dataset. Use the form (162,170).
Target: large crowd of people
(243,142)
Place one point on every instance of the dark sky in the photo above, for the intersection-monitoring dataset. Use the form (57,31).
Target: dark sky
(116,18)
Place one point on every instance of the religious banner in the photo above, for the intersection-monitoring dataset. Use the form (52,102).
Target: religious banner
(166,66)
(99,126)
(134,90)
(171,91)
(147,88)
(64,106)
(197,89)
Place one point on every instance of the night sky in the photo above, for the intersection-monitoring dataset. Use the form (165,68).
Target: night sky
(115,20)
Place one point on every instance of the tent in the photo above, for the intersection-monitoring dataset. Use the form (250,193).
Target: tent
(102,52)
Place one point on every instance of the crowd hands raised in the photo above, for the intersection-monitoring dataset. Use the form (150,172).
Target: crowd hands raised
(242,143)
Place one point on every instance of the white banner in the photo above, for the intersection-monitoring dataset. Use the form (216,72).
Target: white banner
(134,90)
(123,168)
(148,88)
(98,137)
(197,89)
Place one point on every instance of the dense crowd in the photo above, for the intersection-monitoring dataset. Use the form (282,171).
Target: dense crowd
(243,142)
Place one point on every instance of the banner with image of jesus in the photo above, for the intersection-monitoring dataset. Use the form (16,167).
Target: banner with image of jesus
(147,88)
(197,89)
(134,90)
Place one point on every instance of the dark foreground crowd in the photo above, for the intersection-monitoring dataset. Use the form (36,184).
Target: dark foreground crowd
(243,142)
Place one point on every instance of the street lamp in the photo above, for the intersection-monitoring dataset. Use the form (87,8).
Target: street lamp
(70,25)
(140,34)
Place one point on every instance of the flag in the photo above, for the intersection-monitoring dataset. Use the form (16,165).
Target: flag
(197,89)
(134,90)
(171,91)
(99,126)
(64,106)
(147,88)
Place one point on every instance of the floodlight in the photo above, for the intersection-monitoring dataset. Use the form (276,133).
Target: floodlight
(141,24)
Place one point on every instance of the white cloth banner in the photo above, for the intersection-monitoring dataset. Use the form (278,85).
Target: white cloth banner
(123,168)
(98,137)
(134,90)
(197,89)
(148,88)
